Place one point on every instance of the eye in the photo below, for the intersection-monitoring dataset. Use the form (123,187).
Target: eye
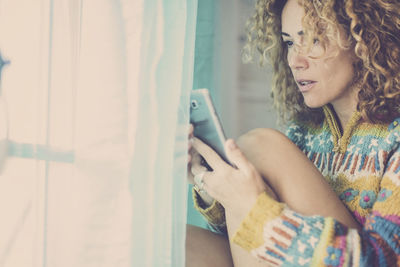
(288,43)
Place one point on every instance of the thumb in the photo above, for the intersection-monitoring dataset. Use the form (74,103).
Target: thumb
(236,156)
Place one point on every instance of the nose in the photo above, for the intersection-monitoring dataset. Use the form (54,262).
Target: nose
(297,60)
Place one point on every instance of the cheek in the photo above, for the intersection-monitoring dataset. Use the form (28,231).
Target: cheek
(345,69)
(343,62)
(289,57)
(338,70)
(338,78)
(317,51)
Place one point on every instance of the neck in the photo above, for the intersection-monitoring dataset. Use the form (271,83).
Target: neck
(346,107)
(344,114)
(341,136)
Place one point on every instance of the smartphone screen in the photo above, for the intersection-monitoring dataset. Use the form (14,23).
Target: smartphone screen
(207,126)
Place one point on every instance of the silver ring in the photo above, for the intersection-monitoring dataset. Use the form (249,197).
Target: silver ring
(199,190)
(198,179)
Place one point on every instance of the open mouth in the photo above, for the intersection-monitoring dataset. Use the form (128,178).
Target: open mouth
(305,85)
(302,83)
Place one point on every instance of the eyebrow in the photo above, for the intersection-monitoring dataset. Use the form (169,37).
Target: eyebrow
(288,35)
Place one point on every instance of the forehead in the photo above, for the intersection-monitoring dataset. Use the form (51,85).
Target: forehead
(291,17)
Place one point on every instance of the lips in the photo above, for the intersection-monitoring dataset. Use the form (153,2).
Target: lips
(305,85)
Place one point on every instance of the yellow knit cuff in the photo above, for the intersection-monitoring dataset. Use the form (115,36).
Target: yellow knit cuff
(250,233)
(214,214)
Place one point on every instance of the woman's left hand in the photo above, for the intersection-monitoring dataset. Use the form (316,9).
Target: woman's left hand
(235,188)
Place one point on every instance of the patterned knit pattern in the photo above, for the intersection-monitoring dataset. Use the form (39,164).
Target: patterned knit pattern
(363,167)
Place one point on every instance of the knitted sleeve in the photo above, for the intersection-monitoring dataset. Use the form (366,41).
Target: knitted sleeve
(275,234)
(214,214)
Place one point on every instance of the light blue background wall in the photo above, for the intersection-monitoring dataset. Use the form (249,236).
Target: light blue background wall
(203,73)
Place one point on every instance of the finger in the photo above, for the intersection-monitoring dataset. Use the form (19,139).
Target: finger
(236,156)
(190,131)
(193,159)
(196,157)
(212,158)
(197,168)
(190,143)
(198,179)
(190,156)
(207,184)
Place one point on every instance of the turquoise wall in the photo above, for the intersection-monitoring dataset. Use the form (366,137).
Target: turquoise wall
(203,73)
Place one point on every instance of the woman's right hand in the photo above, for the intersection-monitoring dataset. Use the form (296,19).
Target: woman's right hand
(194,163)
(194,158)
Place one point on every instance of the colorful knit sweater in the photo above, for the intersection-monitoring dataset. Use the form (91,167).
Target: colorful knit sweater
(363,167)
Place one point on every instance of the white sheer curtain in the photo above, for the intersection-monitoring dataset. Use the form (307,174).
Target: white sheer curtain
(96,94)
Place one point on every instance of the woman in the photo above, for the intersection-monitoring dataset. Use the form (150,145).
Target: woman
(328,194)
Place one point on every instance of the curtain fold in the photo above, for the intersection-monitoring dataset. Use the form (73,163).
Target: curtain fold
(165,82)
(96,167)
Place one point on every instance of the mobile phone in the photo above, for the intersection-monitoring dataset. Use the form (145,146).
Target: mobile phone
(207,125)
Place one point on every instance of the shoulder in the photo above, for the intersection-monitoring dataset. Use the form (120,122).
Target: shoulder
(392,130)
(394,125)
(394,133)
(298,130)
(295,131)
(373,137)
(381,136)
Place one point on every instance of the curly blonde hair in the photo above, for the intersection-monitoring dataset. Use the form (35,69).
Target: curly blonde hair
(372,29)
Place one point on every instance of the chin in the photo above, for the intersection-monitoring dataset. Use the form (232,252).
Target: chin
(314,104)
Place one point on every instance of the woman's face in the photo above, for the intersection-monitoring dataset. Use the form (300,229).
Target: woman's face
(321,80)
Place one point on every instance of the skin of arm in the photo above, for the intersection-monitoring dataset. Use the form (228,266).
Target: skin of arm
(293,177)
